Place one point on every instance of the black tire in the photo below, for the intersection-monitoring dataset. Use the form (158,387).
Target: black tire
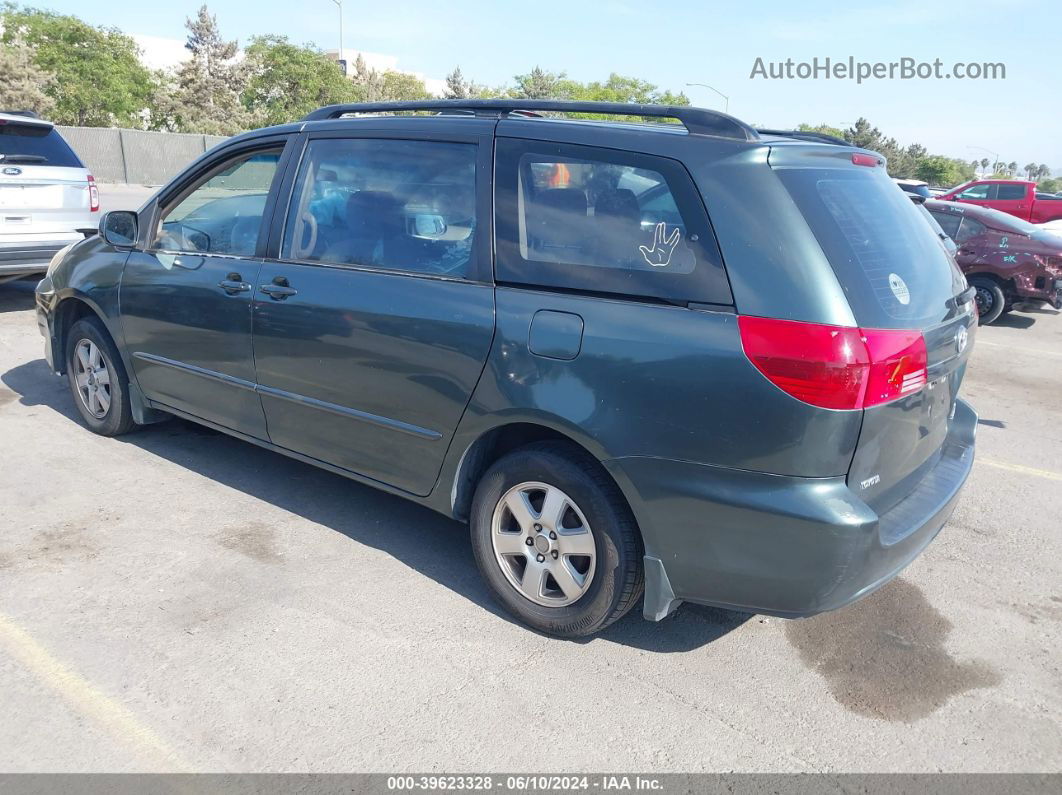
(617,581)
(990,300)
(118,416)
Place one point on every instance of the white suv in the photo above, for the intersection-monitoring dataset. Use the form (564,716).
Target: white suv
(48,199)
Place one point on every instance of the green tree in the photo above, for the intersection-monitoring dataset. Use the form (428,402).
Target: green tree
(24,84)
(402,85)
(286,81)
(457,87)
(966,171)
(367,81)
(1042,172)
(211,83)
(540,84)
(937,170)
(1012,167)
(821,129)
(98,77)
(619,88)
(984,166)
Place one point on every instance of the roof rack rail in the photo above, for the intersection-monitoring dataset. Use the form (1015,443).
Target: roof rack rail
(31,114)
(807,135)
(697,121)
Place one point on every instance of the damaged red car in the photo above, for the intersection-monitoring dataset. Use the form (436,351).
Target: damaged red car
(1007,260)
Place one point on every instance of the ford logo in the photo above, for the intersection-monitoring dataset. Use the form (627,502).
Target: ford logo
(962,336)
(11,171)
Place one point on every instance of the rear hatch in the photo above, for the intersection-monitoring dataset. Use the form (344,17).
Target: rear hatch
(897,278)
(45,191)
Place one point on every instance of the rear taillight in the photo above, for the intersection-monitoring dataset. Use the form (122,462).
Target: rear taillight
(835,367)
(94,195)
(898,364)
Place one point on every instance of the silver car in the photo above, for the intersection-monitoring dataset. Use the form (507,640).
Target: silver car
(48,199)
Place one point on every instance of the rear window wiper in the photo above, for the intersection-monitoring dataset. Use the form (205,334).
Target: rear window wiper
(23,159)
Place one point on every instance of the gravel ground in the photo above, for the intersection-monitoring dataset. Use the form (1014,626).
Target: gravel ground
(180,600)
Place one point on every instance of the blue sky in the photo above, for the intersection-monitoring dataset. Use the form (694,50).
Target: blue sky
(672,43)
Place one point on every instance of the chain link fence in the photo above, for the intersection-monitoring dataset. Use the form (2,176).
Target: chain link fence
(138,157)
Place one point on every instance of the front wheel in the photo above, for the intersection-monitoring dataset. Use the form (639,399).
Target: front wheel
(989,299)
(97,379)
(555,540)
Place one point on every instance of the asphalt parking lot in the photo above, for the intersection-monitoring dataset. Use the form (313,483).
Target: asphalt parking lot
(180,600)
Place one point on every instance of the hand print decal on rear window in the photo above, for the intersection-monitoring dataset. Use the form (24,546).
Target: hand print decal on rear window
(659,255)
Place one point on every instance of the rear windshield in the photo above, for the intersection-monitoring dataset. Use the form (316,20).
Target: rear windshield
(35,144)
(886,257)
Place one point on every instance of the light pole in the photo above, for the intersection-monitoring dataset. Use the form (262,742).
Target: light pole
(726,99)
(341,59)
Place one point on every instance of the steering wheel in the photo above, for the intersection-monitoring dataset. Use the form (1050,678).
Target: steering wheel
(300,250)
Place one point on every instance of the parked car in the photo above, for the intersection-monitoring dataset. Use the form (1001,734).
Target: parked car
(1011,196)
(47,196)
(532,325)
(918,193)
(915,187)
(1005,259)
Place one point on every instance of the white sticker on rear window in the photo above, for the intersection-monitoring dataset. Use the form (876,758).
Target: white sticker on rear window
(899,289)
(659,256)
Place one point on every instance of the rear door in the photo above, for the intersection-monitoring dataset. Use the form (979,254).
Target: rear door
(372,326)
(896,277)
(185,296)
(1014,199)
(44,188)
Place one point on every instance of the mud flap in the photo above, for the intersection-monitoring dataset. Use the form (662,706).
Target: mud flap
(660,601)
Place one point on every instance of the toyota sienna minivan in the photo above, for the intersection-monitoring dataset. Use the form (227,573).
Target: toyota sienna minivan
(645,361)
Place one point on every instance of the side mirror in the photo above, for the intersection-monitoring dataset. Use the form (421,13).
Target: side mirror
(119,228)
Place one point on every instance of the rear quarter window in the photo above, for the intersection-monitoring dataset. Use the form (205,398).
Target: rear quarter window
(35,144)
(1010,192)
(604,221)
(885,256)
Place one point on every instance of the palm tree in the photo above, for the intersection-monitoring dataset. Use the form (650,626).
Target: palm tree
(984,166)
(1030,169)
(1042,172)
(1012,167)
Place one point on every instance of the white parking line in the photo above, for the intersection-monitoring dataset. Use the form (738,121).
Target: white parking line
(1040,473)
(1030,351)
(87,700)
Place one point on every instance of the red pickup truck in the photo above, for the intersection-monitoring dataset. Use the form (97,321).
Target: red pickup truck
(1017,197)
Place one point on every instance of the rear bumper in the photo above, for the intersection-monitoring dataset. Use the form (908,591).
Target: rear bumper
(1050,294)
(26,258)
(780,545)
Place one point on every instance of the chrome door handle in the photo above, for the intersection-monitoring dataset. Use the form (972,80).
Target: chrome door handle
(278,292)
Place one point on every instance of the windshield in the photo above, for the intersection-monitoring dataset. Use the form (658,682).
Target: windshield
(35,144)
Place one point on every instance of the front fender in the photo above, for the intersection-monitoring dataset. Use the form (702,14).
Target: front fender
(91,274)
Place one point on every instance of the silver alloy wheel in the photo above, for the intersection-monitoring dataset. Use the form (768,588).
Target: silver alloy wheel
(543,544)
(92,375)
